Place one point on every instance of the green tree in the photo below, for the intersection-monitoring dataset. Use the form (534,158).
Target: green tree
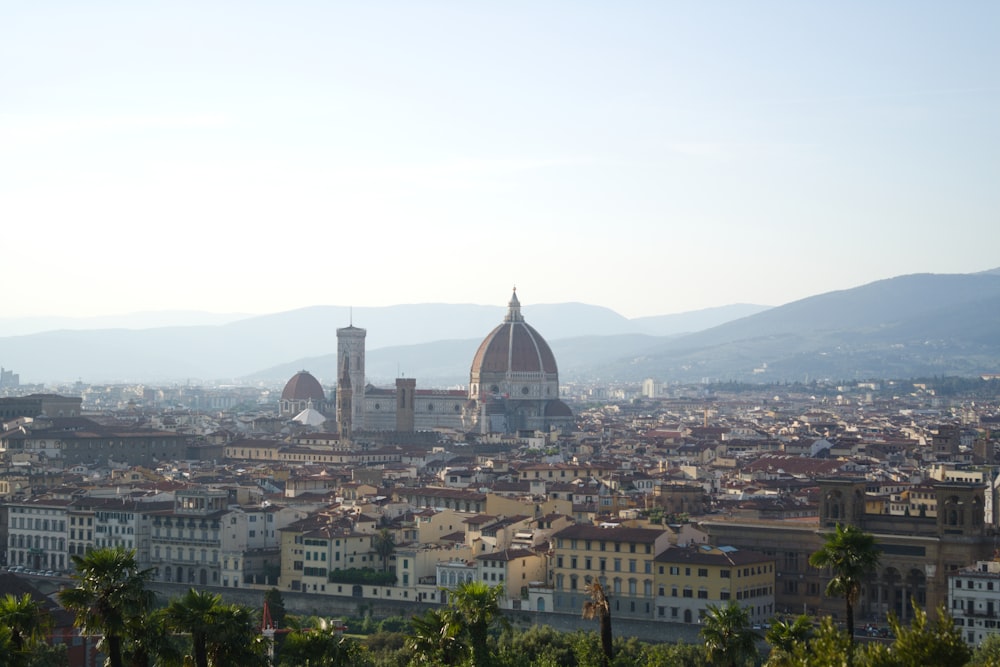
(7,654)
(536,645)
(851,555)
(987,654)
(829,647)
(476,607)
(436,638)
(599,607)
(110,589)
(276,605)
(925,642)
(384,544)
(675,655)
(194,613)
(322,646)
(728,637)
(783,636)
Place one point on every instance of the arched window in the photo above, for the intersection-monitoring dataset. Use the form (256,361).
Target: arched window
(835,505)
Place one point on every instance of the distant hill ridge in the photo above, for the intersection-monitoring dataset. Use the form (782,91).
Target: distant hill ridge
(914,325)
(236,349)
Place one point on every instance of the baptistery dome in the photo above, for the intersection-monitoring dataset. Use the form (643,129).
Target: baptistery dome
(303,387)
(301,391)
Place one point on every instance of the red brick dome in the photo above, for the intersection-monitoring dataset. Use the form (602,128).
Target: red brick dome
(514,347)
(303,387)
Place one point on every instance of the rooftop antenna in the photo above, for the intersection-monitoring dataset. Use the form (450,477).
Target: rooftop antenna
(350,318)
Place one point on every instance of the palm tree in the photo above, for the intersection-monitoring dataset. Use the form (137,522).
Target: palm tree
(599,607)
(194,613)
(727,635)
(27,623)
(234,639)
(783,636)
(150,639)
(477,608)
(852,556)
(110,589)
(435,637)
(384,544)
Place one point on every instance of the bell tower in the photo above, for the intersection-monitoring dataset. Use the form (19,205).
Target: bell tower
(841,501)
(351,346)
(345,400)
(961,508)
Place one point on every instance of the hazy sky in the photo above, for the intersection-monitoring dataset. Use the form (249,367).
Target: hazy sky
(651,157)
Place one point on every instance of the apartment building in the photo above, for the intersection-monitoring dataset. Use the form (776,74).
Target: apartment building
(974,600)
(690,579)
(622,559)
(36,533)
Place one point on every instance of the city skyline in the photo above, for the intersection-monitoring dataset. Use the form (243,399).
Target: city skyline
(652,158)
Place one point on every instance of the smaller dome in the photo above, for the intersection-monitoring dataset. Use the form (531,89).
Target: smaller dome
(557,408)
(303,387)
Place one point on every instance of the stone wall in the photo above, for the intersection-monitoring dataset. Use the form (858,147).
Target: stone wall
(334,606)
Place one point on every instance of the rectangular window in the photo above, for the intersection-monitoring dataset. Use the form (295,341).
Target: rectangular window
(702,571)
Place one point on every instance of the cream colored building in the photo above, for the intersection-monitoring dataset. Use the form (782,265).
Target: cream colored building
(620,558)
(516,570)
(689,579)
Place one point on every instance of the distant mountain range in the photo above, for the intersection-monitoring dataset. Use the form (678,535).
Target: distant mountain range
(237,350)
(909,326)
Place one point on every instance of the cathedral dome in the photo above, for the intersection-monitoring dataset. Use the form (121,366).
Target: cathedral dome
(514,347)
(514,381)
(303,387)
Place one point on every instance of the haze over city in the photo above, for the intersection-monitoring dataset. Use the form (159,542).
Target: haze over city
(648,157)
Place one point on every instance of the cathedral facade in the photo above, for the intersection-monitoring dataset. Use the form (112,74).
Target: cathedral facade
(513,387)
